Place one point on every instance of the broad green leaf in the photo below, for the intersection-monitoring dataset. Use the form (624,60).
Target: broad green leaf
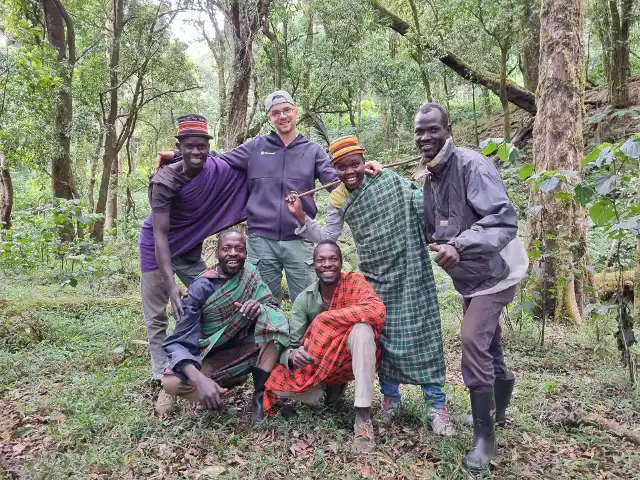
(490,148)
(549,184)
(514,154)
(631,148)
(583,194)
(534,255)
(526,171)
(605,184)
(592,156)
(602,213)
(503,152)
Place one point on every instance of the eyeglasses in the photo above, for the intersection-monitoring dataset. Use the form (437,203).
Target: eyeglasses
(276,113)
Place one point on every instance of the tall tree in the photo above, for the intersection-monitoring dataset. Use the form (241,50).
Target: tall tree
(558,145)
(530,25)
(618,57)
(115,27)
(61,36)
(246,19)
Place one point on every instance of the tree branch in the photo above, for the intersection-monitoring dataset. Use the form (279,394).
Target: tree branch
(516,94)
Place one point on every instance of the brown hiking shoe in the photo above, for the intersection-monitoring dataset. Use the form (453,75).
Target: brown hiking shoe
(363,440)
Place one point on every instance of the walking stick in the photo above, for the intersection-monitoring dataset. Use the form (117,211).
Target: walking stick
(332,184)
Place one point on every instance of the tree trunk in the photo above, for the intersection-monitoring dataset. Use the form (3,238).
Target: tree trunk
(94,166)
(531,48)
(111,134)
(558,145)
(111,215)
(504,58)
(636,276)
(6,195)
(620,14)
(418,56)
(56,18)
(245,20)
(486,103)
(217,46)
(517,95)
(308,49)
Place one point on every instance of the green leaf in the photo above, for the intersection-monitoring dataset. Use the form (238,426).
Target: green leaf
(526,171)
(605,183)
(548,185)
(490,148)
(503,152)
(631,148)
(602,213)
(583,194)
(592,156)
(562,196)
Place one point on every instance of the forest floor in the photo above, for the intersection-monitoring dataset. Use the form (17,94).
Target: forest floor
(75,402)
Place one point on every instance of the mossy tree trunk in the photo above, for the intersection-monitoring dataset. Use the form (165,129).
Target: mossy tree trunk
(558,145)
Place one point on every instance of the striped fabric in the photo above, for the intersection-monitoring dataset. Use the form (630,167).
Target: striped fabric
(354,301)
(344,146)
(193,124)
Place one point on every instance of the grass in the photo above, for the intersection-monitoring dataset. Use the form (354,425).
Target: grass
(76,403)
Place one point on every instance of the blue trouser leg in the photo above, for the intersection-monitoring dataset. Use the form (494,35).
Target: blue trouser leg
(389,389)
(434,396)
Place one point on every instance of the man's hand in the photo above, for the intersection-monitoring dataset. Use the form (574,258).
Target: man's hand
(175,295)
(299,357)
(372,169)
(210,393)
(295,207)
(163,157)
(447,256)
(250,309)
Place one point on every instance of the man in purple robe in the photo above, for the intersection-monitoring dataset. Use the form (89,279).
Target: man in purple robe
(190,200)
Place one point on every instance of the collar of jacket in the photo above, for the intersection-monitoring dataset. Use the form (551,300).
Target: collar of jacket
(274,138)
(435,165)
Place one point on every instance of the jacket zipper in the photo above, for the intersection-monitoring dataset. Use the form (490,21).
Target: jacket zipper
(284,157)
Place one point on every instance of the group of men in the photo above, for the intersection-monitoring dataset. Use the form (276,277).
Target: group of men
(343,326)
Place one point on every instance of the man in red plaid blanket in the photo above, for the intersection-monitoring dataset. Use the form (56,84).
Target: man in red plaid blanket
(334,330)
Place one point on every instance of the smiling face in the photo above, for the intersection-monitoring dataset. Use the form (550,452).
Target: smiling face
(194,151)
(283,117)
(350,170)
(232,253)
(430,132)
(327,263)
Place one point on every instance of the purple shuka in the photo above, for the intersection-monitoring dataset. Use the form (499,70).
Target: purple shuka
(213,200)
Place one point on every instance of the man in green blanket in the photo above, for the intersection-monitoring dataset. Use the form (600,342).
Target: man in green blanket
(230,327)
(385,217)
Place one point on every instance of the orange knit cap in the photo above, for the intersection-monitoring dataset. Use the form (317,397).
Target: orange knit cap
(343,147)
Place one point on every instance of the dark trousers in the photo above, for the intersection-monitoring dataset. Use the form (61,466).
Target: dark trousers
(481,337)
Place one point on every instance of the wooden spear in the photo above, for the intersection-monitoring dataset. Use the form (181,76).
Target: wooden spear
(329,185)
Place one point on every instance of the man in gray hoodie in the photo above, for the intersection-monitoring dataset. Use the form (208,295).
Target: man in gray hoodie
(276,164)
(472,226)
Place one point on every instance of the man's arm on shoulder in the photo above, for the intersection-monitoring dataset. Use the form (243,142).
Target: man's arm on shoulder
(239,156)
(499,224)
(182,345)
(324,169)
(297,326)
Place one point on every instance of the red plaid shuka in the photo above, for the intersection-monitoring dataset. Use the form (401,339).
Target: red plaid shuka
(354,301)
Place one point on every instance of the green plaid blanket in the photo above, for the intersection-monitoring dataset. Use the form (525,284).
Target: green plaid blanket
(221,321)
(386,219)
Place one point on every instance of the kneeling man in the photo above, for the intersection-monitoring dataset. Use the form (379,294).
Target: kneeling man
(230,327)
(335,327)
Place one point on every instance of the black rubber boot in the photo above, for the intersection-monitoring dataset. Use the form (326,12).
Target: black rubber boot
(503,389)
(257,407)
(484,440)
